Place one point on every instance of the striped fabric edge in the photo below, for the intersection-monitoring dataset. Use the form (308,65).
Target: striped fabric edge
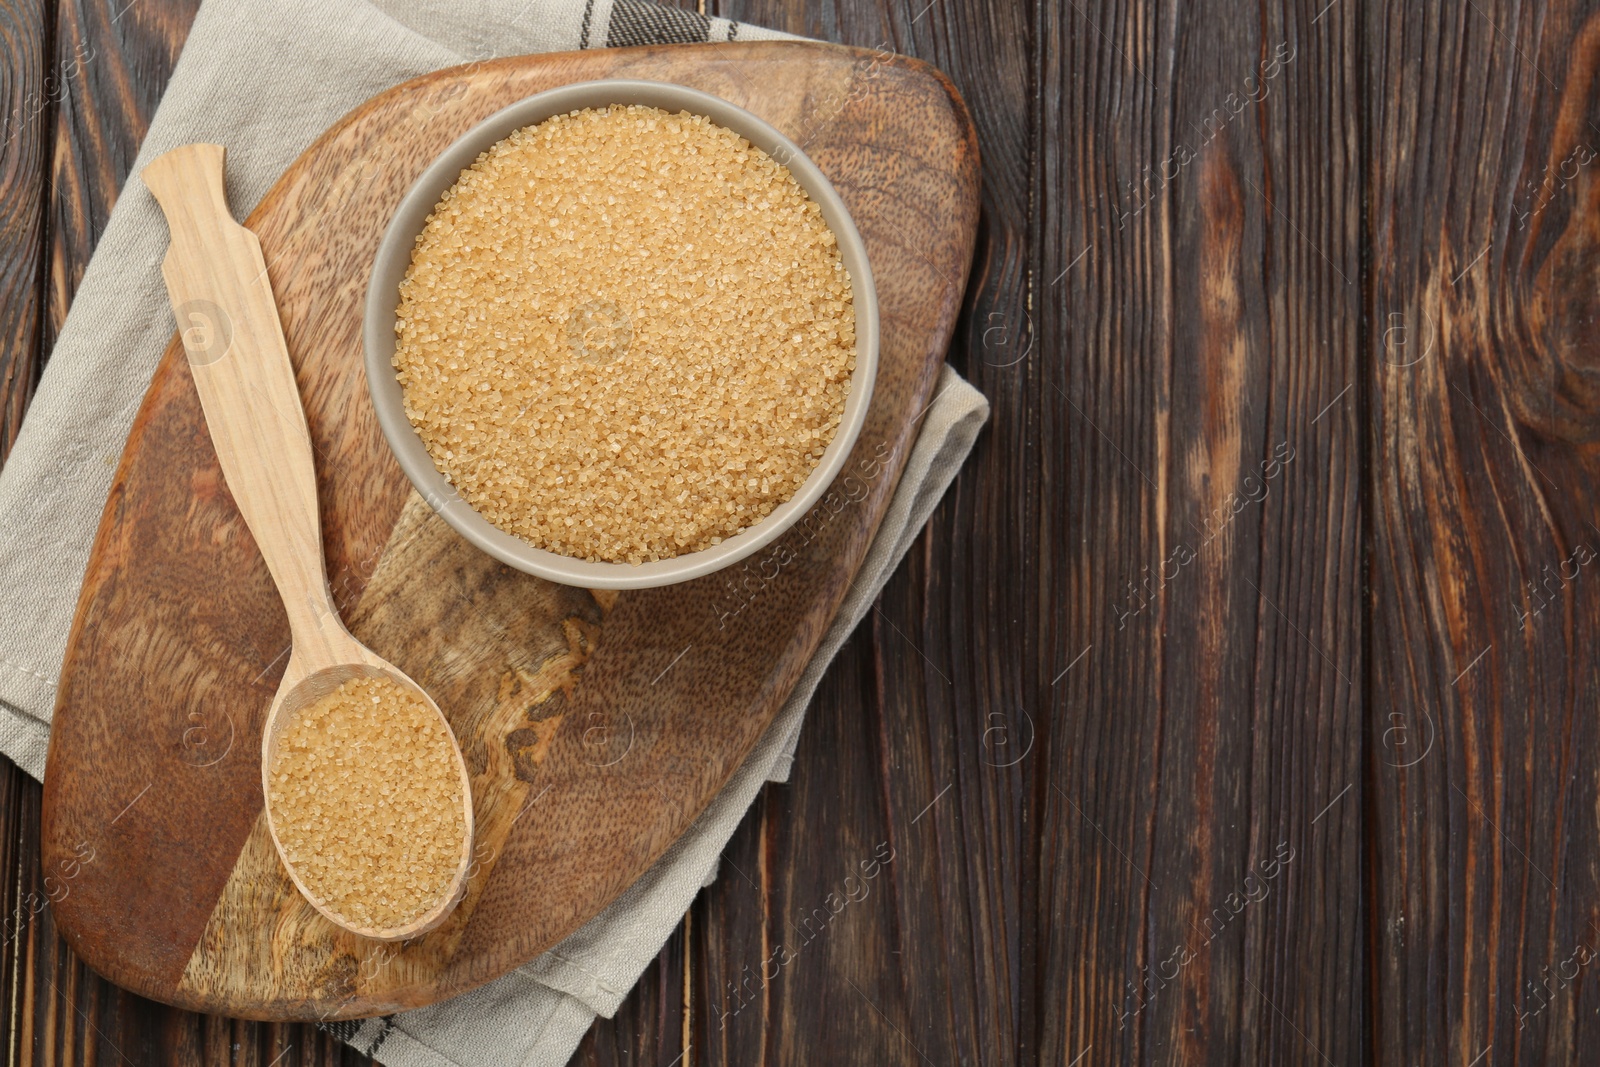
(629,23)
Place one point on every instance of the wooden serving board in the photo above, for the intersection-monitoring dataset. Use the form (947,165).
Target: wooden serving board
(596,726)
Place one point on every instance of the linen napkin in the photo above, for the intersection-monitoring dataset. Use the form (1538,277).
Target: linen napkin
(266,79)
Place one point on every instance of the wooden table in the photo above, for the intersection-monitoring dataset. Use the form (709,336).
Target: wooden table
(1246,665)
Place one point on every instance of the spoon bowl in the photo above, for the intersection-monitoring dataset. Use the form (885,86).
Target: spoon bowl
(302,688)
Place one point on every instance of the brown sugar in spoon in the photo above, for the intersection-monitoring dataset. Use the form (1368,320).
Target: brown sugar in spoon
(228,320)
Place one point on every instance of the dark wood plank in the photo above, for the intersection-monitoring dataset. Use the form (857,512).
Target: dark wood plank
(1202,532)
(28,96)
(1484,122)
(129,50)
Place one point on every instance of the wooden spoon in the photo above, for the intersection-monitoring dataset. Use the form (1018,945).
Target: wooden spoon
(217,280)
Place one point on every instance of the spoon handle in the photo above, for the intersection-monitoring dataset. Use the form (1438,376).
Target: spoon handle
(228,321)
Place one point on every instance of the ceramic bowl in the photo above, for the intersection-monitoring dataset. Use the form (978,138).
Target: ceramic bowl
(394,257)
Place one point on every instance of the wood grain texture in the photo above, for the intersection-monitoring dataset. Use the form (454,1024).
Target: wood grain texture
(173,635)
(1207,546)
(1481,365)
(123,53)
(27,104)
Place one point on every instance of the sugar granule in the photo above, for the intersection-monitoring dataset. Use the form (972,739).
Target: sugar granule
(367,802)
(625,334)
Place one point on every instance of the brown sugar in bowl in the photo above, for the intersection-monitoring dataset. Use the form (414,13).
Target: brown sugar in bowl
(716,542)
